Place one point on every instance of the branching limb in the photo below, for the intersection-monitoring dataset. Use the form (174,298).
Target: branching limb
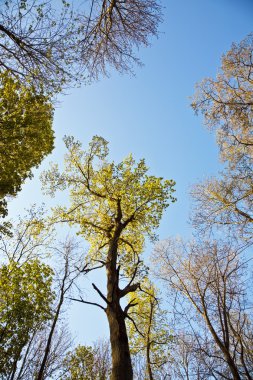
(101,294)
(86,270)
(129,289)
(87,302)
(130,304)
(135,326)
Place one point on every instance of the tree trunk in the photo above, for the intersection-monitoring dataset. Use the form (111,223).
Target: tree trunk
(149,369)
(225,350)
(121,359)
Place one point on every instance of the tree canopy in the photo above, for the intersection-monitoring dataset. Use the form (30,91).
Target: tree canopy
(86,362)
(26,300)
(26,134)
(227,105)
(103,194)
(59,44)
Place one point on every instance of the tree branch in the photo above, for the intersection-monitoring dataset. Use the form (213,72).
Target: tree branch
(136,327)
(129,289)
(101,294)
(130,304)
(87,302)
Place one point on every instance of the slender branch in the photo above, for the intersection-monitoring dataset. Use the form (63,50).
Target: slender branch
(87,270)
(135,326)
(101,294)
(87,302)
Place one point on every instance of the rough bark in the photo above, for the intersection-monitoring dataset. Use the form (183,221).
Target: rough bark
(121,359)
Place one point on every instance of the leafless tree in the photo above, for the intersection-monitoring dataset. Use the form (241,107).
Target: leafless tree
(66,278)
(28,239)
(212,278)
(227,105)
(34,351)
(114,29)
(102,353)
(56,45)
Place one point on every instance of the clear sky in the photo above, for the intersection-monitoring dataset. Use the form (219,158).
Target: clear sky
(149,115)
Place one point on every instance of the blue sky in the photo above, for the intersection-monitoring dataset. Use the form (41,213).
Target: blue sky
(149,115)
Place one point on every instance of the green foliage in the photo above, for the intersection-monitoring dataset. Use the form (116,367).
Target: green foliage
(115,207)
(82,365)
(26,134)
(103,194)
(79,365)
(26,297)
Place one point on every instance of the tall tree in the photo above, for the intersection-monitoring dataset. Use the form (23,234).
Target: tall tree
(209,279)
(115,207)
(227,105)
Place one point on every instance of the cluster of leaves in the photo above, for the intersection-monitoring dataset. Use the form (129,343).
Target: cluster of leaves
(26,134)
(26,299)
(87,362)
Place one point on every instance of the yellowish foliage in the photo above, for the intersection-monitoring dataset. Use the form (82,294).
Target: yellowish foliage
(150,333)
(103,194)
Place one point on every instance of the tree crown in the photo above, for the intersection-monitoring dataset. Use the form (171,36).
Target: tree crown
(107,196)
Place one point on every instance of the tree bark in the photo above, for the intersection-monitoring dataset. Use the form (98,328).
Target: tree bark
(223,348)
(149,369)
(121,359)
